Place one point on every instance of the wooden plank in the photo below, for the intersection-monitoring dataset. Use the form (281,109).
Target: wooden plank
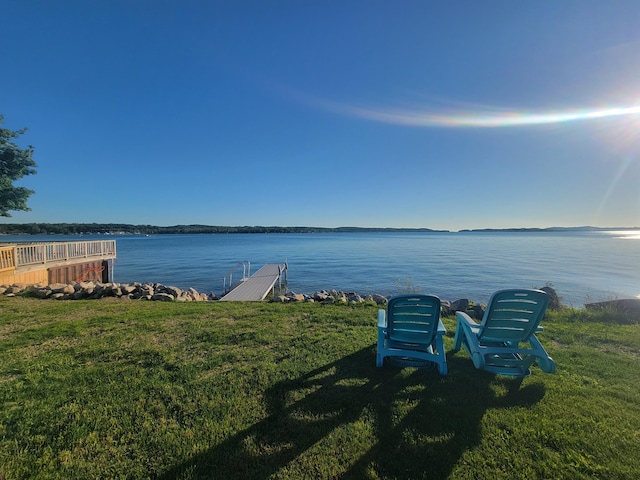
(79,272)
(256,287)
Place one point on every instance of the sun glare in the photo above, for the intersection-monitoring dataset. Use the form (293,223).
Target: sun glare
(625,234)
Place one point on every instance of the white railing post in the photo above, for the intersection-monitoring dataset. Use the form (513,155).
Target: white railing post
(246,270)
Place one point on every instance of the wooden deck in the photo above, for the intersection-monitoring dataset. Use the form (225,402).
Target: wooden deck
(25,256)
(56,262)
(257,286)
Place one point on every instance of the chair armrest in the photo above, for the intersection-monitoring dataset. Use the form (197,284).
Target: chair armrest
(467,319)
(441,328)
(382,318)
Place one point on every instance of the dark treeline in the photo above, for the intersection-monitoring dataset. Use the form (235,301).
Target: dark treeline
(118,228)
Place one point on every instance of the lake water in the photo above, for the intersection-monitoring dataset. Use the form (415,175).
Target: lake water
(581,266)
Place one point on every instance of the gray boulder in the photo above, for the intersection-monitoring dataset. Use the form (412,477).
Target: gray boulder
(460,305)
(173,291)
(554,300)
(163,297)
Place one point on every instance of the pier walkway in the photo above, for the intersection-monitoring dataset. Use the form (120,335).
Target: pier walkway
(257,286)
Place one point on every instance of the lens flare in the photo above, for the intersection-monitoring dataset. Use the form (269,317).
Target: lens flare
(485,119)
(469,116)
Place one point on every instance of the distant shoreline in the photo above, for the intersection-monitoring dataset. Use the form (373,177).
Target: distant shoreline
(116,228)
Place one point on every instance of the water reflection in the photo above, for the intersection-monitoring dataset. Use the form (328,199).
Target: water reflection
(625,234)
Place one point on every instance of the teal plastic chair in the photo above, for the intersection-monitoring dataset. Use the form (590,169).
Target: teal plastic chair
(505,342)
(411,333)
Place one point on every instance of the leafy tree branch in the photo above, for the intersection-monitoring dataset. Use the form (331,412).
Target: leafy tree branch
(15,163)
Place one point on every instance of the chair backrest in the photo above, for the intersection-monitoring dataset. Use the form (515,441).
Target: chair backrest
(413,318)
(513,315)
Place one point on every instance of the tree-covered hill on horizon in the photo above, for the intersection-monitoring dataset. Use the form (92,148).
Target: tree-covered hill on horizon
(122,228)
(117,228)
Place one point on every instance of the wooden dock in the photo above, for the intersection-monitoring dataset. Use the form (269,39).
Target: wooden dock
(257,286)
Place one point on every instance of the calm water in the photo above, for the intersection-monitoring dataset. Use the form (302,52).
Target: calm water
(581,266)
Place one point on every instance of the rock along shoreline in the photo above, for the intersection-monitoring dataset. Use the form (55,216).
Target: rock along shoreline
(157,292)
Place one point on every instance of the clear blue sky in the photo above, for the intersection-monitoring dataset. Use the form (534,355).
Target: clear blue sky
(437,114)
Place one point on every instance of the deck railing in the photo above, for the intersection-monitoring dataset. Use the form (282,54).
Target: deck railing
(7,259)
(23,255)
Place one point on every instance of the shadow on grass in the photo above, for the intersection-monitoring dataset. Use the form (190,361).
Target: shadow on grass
(419,424)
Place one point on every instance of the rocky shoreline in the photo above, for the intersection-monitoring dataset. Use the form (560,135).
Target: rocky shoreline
(97,290)
(159,292)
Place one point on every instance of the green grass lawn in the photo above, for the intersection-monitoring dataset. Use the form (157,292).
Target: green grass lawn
(121,389)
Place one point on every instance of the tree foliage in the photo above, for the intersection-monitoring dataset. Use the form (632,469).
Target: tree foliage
(15,163)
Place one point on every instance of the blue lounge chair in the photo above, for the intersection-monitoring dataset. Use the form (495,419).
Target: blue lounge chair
(411,332)
(505,343)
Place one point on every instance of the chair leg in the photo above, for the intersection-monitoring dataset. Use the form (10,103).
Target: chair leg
(547,365)
(457,341)
(545,362)
(379,360)
(478,360)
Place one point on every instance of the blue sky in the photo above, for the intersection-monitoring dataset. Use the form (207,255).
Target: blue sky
(438,114)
